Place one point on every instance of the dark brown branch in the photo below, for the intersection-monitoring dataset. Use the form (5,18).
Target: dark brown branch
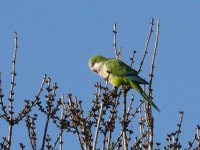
(3,107)
(179,129)
(137,110)
(138,141)
(27,108)
(132,59)
(49,101)
(72,116)
(22,146)
(59,138)
(30,123)
(196,139)
(4,144)
(132,116)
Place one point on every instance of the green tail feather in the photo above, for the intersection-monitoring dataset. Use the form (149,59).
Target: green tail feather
(149,101)
(137,87)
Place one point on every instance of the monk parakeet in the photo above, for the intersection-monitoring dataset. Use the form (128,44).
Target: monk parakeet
(119,74)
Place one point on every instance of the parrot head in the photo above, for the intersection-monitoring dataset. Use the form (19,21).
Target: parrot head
(95,62)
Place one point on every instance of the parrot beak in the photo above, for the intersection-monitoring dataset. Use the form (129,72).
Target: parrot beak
(94,70)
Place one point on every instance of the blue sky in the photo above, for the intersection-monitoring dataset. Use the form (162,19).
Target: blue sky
(58,38)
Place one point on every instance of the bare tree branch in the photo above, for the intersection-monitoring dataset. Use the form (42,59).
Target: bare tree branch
(13,74)
(147,44)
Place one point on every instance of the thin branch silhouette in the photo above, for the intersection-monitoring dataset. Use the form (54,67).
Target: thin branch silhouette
(147,45)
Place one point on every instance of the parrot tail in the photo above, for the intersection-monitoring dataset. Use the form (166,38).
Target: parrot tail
(137,87)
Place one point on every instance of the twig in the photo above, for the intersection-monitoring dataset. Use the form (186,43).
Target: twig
(137,110)
(191,143)
(141,125)
(115,39)
(27,108)
(72,116)
(132,116)
(61,130)
(198,135)
(132,59)
(22,146)
(48,114)
(45,132)
(3,108)
(59,138)
(109,139)
(98,125)
(137,141)
(124,123)
(112,119)
(148,112)
(196,138)
(173,138)
(13,74)
(30,123)
(147,44)
(179,129)
(29,126)
(117,54)
(4,143)
(153,58)
(48,142)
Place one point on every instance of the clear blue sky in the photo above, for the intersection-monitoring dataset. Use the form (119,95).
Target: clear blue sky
(58,38)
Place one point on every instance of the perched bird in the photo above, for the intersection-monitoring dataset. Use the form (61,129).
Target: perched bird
(118,73)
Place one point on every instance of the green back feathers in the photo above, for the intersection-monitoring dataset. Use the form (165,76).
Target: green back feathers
(121,69)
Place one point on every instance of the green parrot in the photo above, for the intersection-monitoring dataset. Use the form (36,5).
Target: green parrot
(120,74)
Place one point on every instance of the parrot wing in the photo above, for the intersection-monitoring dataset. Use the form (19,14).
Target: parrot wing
(121,69)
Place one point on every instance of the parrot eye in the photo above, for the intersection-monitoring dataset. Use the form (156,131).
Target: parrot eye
(92,63)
